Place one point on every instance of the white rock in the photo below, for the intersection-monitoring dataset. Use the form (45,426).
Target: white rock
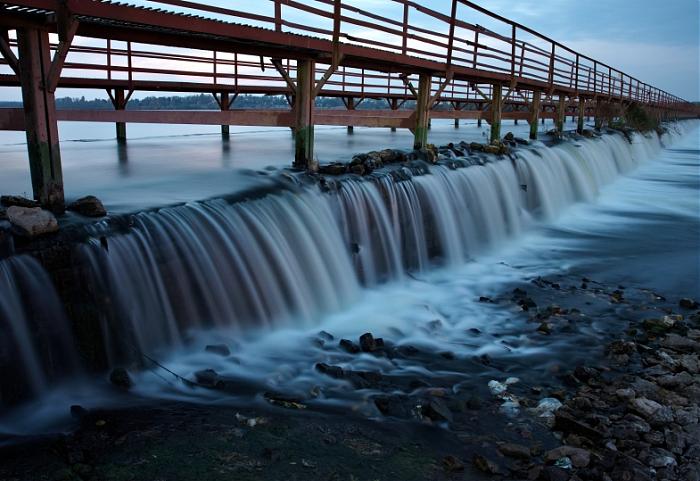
(547,406)
(32,221)
(512,380)
(497,388)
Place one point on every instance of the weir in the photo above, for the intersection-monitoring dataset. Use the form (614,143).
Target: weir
(249,263)
(310,62)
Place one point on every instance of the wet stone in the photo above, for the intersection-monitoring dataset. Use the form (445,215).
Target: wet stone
(513,450)
(349,346)
(120,378)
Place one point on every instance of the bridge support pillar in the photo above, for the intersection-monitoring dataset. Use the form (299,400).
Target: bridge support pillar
(225,103)
(351,106)
(581,114)
(304,113)
(598,114)
(535,113)
(40,118)
(120,104)
(420,131)
(561,113)
(496,110)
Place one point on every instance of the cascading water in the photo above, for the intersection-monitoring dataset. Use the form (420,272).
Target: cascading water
(290,257)
(36,347)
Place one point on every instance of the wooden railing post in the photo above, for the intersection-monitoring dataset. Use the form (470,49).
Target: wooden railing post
(225,102)
(561,113)
(120,104)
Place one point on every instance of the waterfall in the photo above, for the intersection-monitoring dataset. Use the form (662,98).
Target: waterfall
(36,348)
(295,254)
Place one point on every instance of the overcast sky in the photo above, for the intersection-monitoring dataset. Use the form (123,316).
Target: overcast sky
(654,41)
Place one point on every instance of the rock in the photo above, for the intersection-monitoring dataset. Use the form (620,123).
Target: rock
(674,381)
(659,326)
(77,411)
(332,371)
(18,201)
(436,410)
(497,388)
(89,206)
(32,221)
(625,394)
(555,473)
(513,450)
(660,458)
(349,346)
(393,405)
(674,342)
(567,422)
(326,336)
(208,378)
(689,304)
(580,458)
(389,156)
(335,168)
(452,465)
(652,411)
(547,405)
(486,465)
(367,342)
(3,213)
(219,349)
(120,378)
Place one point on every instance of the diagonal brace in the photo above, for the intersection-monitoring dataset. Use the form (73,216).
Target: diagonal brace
(404,78)
(434,98)
(7,52)
(67,26)
(285,75)
(326,76)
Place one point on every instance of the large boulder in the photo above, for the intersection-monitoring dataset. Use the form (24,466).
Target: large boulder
(89,206)
(32,221)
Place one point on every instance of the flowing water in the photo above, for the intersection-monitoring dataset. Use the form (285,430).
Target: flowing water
(391,254)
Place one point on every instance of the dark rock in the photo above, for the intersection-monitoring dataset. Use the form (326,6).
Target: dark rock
(219,349)
(332,371)
(18,201)
(689,304)
(336,168)
(208,378)
(680,343)
(408,350)
(77,411)
(367,342)
(545,328)
(486,465)
(89,206)
(652,411)
(120,378)
(393,405)
(349,346)
(580,458)
(554,473)
(509,137)
(436,410)
(567,422)
(513,450)
(326,336)
(452,465)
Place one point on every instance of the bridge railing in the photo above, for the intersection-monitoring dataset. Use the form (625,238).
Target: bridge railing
(508,51)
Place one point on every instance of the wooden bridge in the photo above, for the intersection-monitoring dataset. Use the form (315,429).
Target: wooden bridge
(465,63)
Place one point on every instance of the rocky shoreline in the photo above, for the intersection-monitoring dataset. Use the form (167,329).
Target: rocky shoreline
(629,413)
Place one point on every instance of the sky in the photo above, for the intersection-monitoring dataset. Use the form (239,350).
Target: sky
(654,41)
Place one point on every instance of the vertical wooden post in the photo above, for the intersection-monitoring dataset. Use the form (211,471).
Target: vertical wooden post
(394,106)
(598,114)
(40,118)
(534,113)
(581,114)
(420,130)
(561,113)
(351,106)
(120,104)
(225,102)
(304,112)
(497,110)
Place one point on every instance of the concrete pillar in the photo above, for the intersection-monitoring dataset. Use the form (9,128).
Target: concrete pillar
(120,104)
(420,130)
(581,114)
(535,113)
(225,129)
(304,114)
(456,123)
(496,110)
(40,118)
(561,114)
(351,106)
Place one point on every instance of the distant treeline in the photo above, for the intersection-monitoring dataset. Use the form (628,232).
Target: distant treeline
(204,102)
